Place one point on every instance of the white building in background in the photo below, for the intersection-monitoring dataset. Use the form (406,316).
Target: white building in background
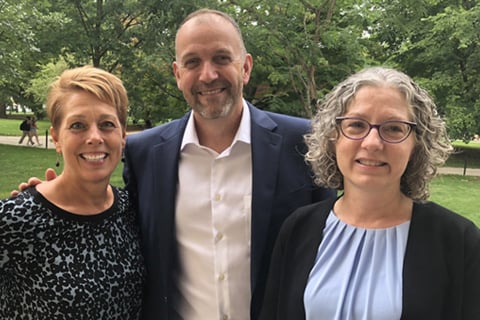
(17,108)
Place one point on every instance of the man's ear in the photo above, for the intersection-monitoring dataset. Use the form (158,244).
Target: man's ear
(247,68)
(177,73)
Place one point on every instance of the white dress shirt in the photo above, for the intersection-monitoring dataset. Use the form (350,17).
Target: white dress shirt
(213,220)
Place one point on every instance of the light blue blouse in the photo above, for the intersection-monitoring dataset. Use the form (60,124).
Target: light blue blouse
(357,273)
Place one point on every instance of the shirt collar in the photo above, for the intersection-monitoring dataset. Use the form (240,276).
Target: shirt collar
(243,133)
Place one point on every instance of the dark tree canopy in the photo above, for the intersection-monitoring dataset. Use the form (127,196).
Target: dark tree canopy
(301,49)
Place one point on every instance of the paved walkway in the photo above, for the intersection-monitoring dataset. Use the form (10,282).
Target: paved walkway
(468,171)
(14,141)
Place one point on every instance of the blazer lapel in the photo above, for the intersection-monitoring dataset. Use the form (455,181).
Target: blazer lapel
(266,146)
(164,168)
(165,172)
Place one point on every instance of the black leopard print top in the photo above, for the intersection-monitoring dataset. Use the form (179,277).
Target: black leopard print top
(58,265)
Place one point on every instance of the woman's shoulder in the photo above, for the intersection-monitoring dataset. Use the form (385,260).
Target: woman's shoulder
(317,210)
(21,209)
(121,196)
(437,217)
(309,216)
(122,201)
(25,198)
(120,191)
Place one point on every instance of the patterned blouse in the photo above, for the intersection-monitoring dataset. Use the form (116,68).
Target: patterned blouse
(58,265)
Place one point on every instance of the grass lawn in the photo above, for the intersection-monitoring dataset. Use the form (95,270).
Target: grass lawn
(458,193)
(10,127)
(19,163)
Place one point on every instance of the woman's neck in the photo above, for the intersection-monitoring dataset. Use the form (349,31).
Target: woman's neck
(374,211)
(77,198)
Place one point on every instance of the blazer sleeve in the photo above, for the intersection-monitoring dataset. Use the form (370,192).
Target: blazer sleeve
(441,272)
(472,274)
(274,282)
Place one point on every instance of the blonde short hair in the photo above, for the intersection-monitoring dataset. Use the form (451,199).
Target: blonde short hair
(100,83)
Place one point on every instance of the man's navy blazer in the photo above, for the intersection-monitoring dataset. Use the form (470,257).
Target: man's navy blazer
(281,182)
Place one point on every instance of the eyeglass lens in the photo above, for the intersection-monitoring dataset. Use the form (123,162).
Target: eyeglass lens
(390,131)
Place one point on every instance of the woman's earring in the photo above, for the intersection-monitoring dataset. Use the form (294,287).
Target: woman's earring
(57,163)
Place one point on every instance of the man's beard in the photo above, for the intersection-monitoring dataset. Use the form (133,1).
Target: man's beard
(214,113)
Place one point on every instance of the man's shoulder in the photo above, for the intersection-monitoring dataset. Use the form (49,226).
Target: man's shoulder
(288,118)
(276,115)
(279,121)
(291,122)
(160,133)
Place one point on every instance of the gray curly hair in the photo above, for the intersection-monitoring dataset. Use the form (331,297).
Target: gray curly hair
(432,146)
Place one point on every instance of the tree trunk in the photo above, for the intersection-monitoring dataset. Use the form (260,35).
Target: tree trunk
(3,111)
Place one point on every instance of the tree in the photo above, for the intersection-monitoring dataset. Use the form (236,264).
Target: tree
(301,50)
(40,83)
(437,42)
(16,43)
(133,39)
(452,50)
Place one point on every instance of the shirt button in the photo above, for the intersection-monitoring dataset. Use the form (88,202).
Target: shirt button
(218,197)
(221,277)
(225,317)
(219,237)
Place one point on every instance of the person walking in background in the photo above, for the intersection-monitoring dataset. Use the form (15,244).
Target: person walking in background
(25,128)
(33,130)
(380,250)
(69,248)
(213,187)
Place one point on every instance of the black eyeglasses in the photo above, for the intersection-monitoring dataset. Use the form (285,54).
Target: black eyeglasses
(392,131)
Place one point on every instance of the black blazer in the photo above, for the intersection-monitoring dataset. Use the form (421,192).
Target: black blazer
(441,273)
(281,183)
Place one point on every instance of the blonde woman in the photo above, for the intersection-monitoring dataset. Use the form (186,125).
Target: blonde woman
(70,247)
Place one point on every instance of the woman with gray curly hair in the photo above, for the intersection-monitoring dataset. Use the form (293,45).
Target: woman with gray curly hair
(380,250)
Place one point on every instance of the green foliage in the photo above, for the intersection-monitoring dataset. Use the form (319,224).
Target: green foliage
(152,90)
(24,46)
(461,123)
(440,45)
(39,85)
(301,49)
(16,38)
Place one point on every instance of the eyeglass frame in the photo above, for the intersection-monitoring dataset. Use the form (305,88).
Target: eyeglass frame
(411,125)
